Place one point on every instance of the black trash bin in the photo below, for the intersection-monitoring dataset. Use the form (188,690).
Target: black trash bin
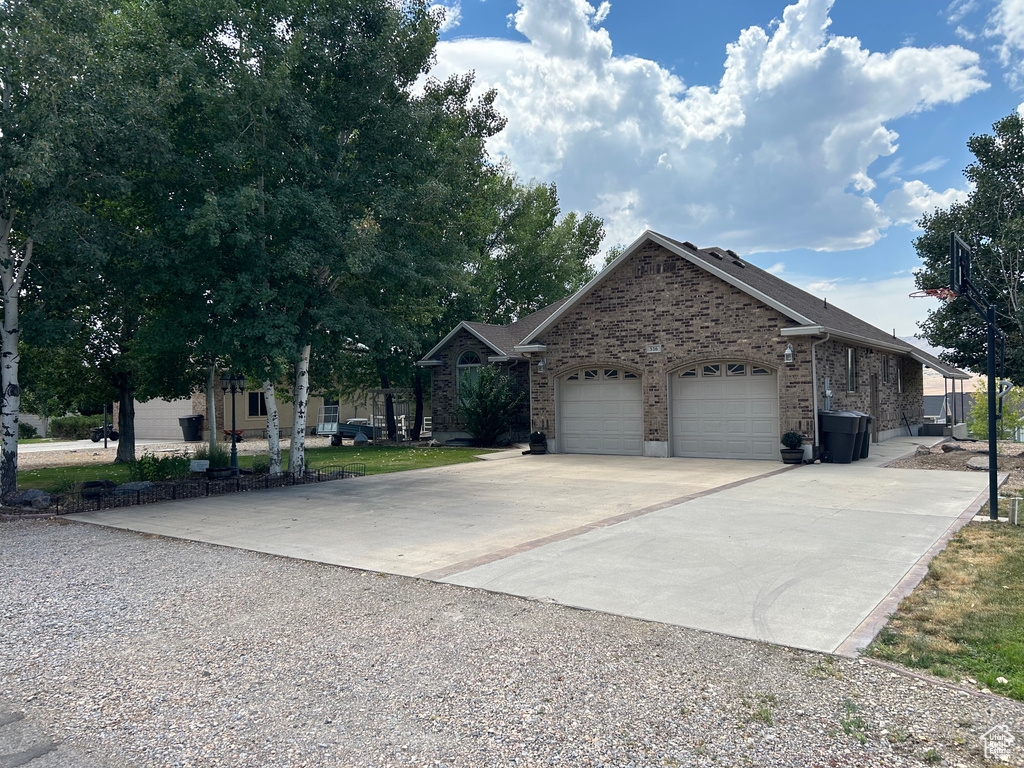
(839,431)
(862,434)
(192,427)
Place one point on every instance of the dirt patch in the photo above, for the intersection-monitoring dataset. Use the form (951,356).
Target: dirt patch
(1011,460)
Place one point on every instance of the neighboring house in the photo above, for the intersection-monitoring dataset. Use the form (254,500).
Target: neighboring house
(678,351)
(948,408)
(158,419)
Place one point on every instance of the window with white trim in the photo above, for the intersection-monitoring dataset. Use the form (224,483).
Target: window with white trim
(257,404)
(467,370)
(885,369)
(899,377)
(851,369)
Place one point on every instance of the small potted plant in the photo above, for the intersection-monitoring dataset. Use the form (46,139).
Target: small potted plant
(793,452)
(538,443)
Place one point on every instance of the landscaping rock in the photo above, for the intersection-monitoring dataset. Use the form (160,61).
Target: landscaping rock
(33,497)
(141,485)
(923,450)
(979,463)
(950,447)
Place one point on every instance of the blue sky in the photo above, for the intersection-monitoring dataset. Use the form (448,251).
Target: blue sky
(808,136)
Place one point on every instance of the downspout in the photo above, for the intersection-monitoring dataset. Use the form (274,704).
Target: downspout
(814,385)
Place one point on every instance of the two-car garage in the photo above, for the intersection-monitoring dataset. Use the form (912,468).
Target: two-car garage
(725,409)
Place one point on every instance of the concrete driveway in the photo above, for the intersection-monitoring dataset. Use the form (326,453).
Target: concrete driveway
(802,556)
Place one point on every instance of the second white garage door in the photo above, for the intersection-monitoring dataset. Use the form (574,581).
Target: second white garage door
(600,412)
(726,410)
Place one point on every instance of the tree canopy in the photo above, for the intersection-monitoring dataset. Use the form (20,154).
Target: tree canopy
(991,222)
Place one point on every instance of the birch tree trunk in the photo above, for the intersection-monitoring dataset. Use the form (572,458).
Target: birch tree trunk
(297,458)
(211,408)
(273,428)
(12,272)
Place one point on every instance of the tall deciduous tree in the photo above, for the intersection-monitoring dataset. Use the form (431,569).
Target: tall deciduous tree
(534,255)
(49,133)
(991,221)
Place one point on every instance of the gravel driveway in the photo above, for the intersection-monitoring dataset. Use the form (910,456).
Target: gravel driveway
(152,652)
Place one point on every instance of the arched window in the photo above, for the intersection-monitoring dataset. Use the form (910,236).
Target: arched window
(467,370)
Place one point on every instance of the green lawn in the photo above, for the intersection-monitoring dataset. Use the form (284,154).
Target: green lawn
(965,618)
(378,460)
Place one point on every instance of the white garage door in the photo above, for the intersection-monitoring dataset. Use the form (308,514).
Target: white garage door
(158,419)
(726,410)
(601,412)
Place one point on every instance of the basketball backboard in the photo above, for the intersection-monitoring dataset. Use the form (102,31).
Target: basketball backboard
(959,264)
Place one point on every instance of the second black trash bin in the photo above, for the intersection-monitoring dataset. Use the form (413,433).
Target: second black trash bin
(867,439)
(862,434)
(839,431)
(192,427)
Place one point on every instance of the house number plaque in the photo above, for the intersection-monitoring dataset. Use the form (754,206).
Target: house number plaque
(654,347)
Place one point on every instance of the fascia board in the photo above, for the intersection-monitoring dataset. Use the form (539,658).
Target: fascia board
(530,348)
(910,350)
(450,336)
(947,372)
(864,341)
(428,363)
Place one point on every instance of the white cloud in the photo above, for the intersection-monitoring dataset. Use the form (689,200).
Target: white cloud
(1007,22)
(928,166)
(958,9)
(822,286)
(774,156)
(776,269)
(964,34)
(906,204)
(451,15)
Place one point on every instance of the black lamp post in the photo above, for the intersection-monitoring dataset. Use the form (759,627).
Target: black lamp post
(233,383)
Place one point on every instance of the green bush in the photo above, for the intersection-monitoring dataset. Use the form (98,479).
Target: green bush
(26,431)
(488,405)
(74,427)
(155,468)
(219,457)
(261,465)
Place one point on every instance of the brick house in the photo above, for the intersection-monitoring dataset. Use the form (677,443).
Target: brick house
(674,350)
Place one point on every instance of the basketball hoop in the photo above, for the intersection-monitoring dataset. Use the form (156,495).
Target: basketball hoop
(946,294)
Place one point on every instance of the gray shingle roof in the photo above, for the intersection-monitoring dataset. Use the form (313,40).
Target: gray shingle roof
(505,337)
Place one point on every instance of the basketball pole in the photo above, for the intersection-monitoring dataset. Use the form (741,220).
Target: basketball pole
(960,283)
(993,463)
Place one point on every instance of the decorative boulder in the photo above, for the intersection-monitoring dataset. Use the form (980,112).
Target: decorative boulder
(924,450)
(950,447)
(141,485)
(33,498)
(980,463)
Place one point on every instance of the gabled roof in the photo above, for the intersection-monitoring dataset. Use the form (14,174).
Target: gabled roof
(813,316)
(501,338)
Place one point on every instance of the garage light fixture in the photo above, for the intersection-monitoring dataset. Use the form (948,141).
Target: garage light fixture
(788,357)
(542,365)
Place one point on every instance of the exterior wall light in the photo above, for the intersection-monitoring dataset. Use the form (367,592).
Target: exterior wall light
(788,357)
(542,365)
